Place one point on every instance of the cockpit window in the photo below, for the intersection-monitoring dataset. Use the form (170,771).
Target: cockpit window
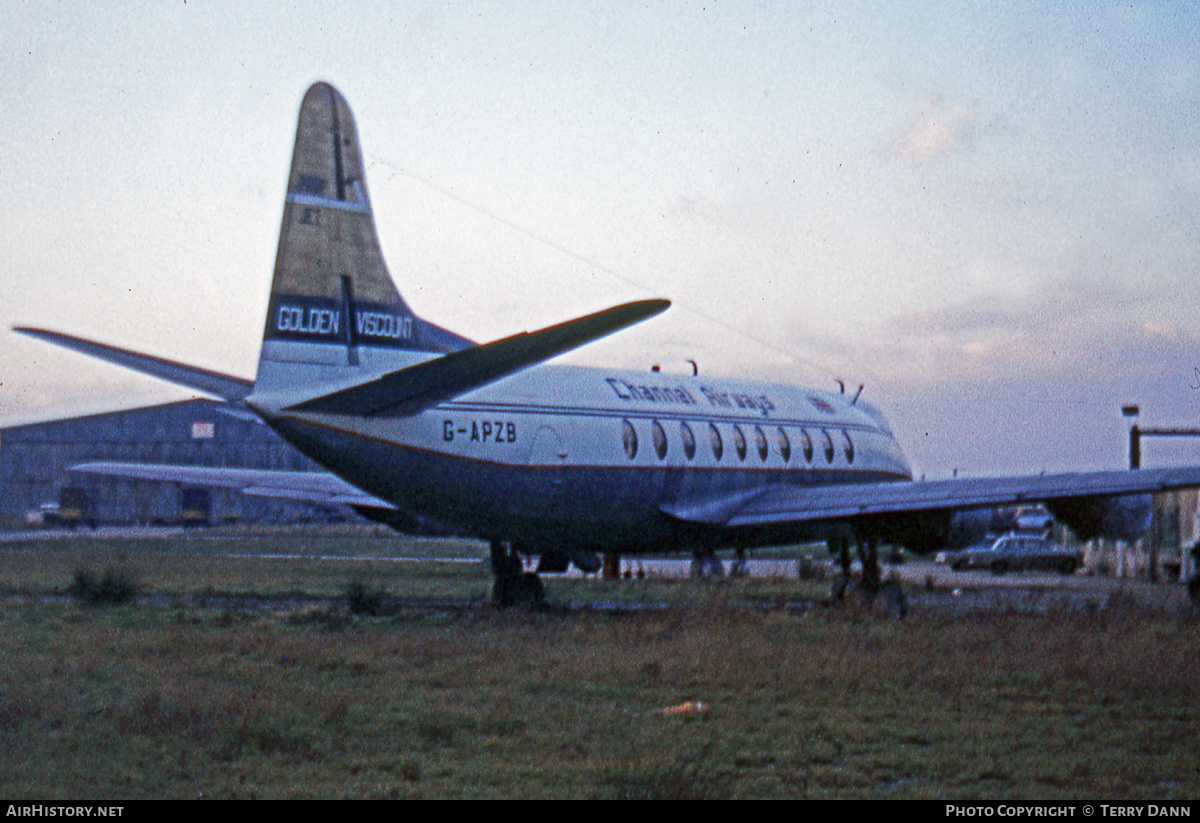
(739,442)
(785,445)
(848,446)
(760,442)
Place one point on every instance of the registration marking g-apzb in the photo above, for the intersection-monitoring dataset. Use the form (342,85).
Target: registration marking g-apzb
(480,431)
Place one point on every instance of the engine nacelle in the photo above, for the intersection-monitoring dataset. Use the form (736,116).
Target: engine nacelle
(919,532)
(939,529)
(1117,518)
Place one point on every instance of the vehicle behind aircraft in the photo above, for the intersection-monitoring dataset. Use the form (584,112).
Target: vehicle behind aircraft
(1013,552)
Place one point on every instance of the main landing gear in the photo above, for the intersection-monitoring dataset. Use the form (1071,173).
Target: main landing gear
(872,583)
(705,563)
(513,585)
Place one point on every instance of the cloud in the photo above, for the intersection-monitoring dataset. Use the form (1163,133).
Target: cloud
(937,129)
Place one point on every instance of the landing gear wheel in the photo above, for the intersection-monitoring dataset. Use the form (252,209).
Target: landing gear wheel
(522,590)
(707,565)
(868,553)
(740,566)
(532,592)
(894,598)
(513,586)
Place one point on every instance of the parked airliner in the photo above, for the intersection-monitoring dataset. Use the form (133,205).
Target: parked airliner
(418,425)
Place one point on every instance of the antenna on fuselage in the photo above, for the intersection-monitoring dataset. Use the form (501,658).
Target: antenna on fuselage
(695,368)
(856,394)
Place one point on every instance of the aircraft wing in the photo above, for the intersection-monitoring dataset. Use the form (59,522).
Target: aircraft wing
(220,385)
(409,391)
(780,505)
(314,487)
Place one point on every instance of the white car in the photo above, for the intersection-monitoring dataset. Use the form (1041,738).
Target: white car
(1013,552)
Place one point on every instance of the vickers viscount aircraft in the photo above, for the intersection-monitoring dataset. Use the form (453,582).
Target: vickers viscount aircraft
(420,426)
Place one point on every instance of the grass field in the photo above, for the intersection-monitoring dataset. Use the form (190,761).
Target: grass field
(172,700)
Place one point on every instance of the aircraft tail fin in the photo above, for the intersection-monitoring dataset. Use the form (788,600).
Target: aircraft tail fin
(335,321)
(333,304)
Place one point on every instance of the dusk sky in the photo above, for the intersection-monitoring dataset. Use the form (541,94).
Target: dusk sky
(987,214)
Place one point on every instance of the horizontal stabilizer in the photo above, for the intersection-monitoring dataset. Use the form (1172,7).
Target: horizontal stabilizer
(409,391)
(313,487)
(210,382)
(779,505)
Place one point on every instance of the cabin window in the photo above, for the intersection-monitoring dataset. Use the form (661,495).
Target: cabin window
(848,446)
(785,445)
(717,446)
(760,440)
(739,442)
(806,445)
(828,441)
(689,440)
(660,440)
(629,438)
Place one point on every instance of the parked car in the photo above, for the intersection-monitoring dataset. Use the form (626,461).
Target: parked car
(1013,552)
(72,509)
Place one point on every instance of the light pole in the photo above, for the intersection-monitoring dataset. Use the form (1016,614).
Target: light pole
(1130,412)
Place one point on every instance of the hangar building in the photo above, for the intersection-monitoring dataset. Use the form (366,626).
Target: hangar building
(35,458)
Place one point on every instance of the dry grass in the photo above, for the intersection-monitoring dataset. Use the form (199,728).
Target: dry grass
(140,701)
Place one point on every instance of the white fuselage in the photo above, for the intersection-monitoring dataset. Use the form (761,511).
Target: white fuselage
(588,456)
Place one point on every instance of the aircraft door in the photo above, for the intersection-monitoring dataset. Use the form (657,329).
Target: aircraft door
(541,485)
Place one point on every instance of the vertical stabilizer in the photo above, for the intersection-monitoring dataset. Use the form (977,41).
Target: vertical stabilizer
(334,308)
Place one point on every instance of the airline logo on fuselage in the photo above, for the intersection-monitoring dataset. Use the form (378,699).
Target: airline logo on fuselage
(650,394)
(678,395)
(728,400)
